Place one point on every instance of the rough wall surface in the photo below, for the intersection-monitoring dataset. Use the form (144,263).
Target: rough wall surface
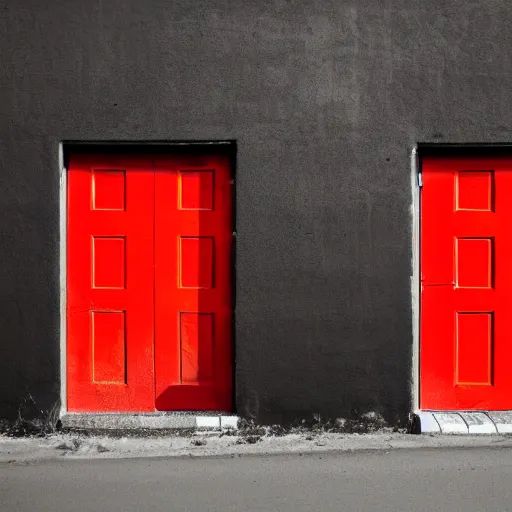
(325,99)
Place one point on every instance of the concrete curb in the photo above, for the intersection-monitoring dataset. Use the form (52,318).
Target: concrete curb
(463,422)
(153,421)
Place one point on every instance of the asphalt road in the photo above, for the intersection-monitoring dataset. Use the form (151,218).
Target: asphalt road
(468,480)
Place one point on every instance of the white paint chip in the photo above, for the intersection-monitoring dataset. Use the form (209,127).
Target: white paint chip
(428,423)
(478,423)
(207,421)
(229,422)
(502,420)
(451,423)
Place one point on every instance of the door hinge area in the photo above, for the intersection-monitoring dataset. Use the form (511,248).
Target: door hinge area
(420,179)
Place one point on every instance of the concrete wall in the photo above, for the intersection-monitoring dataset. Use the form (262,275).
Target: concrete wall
(325,98)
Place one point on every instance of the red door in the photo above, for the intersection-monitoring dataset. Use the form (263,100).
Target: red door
(193,236)
(148,283)
(110,257)
(466,282)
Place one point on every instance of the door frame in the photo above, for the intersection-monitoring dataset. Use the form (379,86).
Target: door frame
(64,148)
(415,176)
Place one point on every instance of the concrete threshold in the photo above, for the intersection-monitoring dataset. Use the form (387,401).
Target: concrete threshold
(464,422)
(156,421)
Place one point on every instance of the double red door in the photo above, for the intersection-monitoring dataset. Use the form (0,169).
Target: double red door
(149,300)
(466,284)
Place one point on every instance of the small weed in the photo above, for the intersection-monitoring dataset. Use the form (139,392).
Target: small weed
(277,431)
(249,428)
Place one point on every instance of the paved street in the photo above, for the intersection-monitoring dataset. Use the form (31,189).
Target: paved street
(464,479)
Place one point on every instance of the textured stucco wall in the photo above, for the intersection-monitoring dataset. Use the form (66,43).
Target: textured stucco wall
(325,99)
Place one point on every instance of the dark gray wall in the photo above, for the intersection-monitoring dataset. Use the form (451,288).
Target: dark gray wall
(325,99)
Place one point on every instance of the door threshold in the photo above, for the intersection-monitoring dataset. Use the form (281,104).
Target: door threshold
(175,420)
(462,422)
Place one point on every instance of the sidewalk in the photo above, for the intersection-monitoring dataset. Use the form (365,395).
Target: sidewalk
(207,444)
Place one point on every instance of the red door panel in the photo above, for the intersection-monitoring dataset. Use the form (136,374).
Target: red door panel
(110,284)
(466,280)
(193,308)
